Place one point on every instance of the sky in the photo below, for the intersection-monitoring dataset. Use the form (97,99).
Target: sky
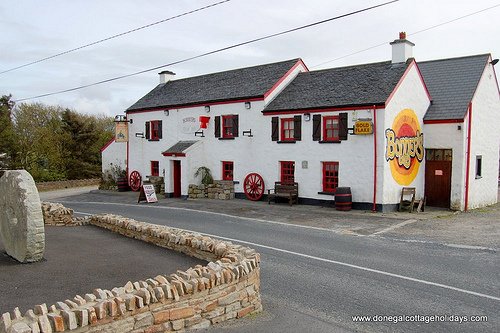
(31,30)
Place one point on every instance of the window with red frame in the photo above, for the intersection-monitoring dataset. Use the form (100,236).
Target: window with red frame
(330,176)
(227,126)
(287,129)
(155,168)
(331,128)
(287,172)
(154,130)
(227,170)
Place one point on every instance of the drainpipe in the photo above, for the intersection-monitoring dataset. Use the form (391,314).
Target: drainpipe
(467,170)
(374,207)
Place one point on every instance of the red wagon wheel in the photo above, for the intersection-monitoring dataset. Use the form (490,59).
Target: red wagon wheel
(135,181)
(253,186)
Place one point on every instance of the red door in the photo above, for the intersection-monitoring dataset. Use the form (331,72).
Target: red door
(177,179)
(438,177)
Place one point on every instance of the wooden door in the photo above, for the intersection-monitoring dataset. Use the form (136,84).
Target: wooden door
(438,177)
(177,179)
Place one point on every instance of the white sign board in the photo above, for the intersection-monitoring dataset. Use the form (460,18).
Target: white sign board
(149,191)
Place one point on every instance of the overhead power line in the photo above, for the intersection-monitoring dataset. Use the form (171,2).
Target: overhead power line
(210,52)
(114,36)
(409,34)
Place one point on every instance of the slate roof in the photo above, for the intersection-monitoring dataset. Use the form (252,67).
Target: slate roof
(249,82)
(451,84)
(179,147)
(357,85)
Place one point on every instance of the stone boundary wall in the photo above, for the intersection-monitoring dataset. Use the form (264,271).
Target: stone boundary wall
(57,185)
(228,287)
(220,189)
(57,214)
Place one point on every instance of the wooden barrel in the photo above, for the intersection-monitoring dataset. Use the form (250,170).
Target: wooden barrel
(122,184)
(343,198)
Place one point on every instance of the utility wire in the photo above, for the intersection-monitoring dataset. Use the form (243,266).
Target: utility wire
(115,36)
(409,34)
(210,52)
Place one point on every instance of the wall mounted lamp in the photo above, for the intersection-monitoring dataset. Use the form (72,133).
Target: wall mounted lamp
(248,133)
(494,62)
(207,108)
(166,112)
(139,135)
(248,105)
(122,119)
(307,116)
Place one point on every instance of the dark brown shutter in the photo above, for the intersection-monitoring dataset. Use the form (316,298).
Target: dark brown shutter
(274,128)
(317,127)
(297,128)
(147,130)
(159,129)
(343,126)
(235,125)
(217,126)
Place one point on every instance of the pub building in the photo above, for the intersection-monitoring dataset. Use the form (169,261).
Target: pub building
(373,128)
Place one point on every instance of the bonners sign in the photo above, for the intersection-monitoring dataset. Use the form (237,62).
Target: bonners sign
(363,127)
(405,147)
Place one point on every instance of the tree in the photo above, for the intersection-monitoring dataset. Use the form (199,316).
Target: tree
(40,140)
(85,135)
(7,141)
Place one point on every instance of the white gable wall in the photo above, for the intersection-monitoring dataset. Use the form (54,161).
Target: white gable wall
(448,136)
(114,155)
(409,94)
(485,140)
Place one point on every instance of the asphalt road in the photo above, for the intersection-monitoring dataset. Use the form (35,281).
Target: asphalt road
(317,280)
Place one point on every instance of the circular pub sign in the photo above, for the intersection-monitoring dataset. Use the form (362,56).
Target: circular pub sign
(404,147)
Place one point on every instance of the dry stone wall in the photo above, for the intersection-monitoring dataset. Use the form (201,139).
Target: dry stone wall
(57,185)
(220,189)
(227,288)
(57,214)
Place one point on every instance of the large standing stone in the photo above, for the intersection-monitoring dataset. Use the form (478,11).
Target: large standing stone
(21,221)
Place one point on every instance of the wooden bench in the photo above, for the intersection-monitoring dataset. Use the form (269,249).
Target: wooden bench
(288,191)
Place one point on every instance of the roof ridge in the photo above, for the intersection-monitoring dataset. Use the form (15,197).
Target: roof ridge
(351,66)
(455,58)
(237,69)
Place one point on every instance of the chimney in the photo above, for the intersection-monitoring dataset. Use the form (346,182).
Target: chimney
(166,76)
(402,49)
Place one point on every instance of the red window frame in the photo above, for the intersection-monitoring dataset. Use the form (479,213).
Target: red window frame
(287,129)
(227,170)
(287,172)
(155,130)
(330,176)
(331,128)
(227,126)
(155,168)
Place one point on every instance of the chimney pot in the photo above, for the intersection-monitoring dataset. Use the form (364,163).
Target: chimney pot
(402,35)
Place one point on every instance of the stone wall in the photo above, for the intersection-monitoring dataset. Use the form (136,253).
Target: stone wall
(228,287)
(57,214)
(220,189)
(57,185)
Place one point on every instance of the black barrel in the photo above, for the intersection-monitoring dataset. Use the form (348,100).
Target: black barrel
(343,198)
(122,184)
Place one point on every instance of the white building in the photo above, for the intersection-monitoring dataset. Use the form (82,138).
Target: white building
(435,127)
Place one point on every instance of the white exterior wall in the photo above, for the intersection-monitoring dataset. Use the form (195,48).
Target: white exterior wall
(410,94)
(355,157)
(485,140)
(448,136)
(114,155)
